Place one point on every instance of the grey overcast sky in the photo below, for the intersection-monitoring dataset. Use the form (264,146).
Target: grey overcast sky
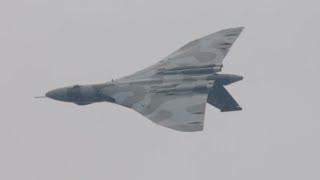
(45,44)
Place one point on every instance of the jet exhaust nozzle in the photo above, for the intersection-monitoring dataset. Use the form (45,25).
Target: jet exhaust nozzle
(225,79)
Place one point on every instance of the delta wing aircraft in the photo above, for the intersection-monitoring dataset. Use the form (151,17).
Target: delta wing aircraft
(173,92)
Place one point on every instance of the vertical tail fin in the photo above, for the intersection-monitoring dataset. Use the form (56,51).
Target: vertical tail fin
(220,98)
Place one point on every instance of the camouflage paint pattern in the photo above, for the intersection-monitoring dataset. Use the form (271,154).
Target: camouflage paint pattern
(174,92)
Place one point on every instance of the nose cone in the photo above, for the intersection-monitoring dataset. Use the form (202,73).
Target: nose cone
(58,94)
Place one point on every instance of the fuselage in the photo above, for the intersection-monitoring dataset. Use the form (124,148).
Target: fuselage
(127,90)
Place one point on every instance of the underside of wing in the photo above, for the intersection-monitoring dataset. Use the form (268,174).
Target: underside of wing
(206,51)
(204,55)
(182,111)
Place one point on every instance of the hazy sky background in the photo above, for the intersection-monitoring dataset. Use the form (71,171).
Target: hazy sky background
(45,44)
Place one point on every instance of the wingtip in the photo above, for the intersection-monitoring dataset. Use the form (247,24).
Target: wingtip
(234,30)
(240,28)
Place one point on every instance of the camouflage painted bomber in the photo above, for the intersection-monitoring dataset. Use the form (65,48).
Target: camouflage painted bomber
(173,92)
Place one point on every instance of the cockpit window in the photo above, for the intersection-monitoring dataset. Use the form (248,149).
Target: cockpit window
(76,86)
(74,93)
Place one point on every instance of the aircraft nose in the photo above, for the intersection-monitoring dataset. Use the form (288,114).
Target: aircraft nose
(58,94)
